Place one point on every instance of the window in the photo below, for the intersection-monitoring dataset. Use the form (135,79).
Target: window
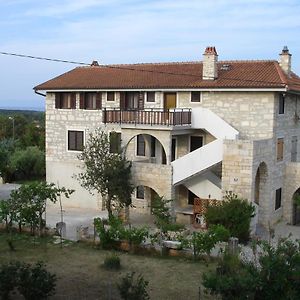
(141,146)
(173,149)
(75,140)
(65,100)
(191,197)
(153,146)
(196,142)
(195,96)
(281,104)
(294,149)
(132,100)
(278,199)
(115,142)
(150,96)
(91,100)
(140,192)
(110,96)
(280,145)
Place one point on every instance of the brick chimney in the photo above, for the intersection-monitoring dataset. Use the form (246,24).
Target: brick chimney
(210,68)
(285,60)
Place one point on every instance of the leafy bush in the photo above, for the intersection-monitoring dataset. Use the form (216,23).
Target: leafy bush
(133,289)
(234,214)
(276,275)
(135,235)
(112,262)
(8,279)
(163,218)
(33,282)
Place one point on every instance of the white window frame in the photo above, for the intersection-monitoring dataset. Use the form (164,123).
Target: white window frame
(194,101)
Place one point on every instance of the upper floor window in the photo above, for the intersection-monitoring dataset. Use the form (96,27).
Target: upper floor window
(110,96)
(195,96)
(150,96)
(280,146)
(65,100)
(281,104)
(75,140)
(91,100)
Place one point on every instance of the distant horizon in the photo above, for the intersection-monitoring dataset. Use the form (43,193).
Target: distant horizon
(37,108)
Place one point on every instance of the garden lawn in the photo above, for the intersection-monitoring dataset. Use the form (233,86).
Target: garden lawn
(81,275)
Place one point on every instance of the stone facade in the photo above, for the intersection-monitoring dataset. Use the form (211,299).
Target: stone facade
(253,114)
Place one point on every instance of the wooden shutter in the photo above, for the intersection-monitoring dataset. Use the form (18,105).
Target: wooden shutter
(73,100)
(280,144)
(99,100)
(81,104)
(141,101)
(57,100)
(122,100)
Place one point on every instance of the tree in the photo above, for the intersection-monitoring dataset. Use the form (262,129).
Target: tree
(105,172)
(29,202)
(28,163)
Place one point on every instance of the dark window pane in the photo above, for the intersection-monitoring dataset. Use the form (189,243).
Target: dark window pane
(196,142)
(195,96)
(75,140)
(140,193)
(90,100)
(110,96)
(153,146)
(115,142)
(140,145)
(281,104)
(278,199)
(150,96)
(191,197)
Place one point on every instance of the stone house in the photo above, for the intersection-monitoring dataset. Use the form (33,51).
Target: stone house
(190,128)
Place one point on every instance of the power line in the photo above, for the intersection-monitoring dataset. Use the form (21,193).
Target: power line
(45,58)
(138,69)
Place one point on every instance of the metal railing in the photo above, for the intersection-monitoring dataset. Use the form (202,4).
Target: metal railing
(171,117)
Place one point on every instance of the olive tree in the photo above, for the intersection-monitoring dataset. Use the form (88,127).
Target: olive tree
(105,172)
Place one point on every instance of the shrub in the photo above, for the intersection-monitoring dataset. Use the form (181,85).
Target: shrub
(133,289)
(33,282)
(112,262)
(109,234)
(8,279)
(135,235)
(234,214)
(276,275)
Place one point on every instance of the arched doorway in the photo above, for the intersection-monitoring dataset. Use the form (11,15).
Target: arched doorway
(143,199)
(260,193)
(296,208)
(260,182)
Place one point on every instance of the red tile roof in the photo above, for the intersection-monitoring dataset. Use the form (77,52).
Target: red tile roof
(186,75)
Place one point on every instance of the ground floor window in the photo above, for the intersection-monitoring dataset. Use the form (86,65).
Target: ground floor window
(75,140)
(278,198)
(141,146)
(140,192)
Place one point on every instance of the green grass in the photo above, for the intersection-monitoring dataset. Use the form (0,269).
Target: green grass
(81,275)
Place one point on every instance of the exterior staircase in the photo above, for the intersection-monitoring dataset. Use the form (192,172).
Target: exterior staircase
(194,169)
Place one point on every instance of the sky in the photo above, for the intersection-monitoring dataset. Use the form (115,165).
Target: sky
(131,31)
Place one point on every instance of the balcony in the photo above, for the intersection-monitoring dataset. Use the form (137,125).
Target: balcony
(171,117)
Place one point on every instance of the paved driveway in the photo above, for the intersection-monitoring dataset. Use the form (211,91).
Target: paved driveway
(6,188)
